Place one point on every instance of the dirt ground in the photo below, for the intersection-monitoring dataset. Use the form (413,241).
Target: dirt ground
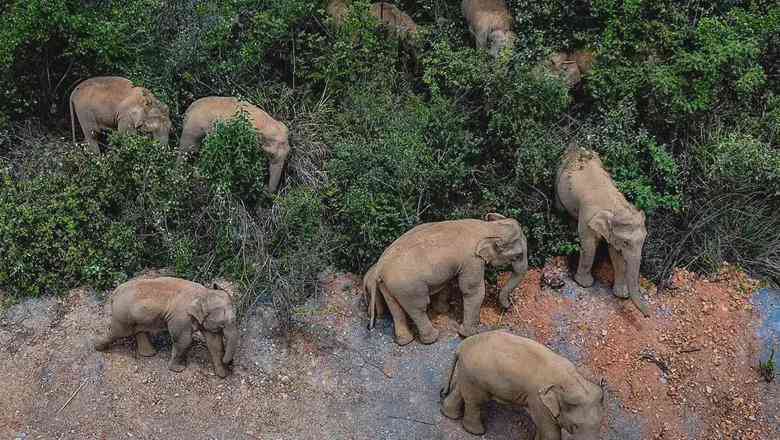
(687,372)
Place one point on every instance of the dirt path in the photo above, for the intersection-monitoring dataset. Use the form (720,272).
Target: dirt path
(334,379)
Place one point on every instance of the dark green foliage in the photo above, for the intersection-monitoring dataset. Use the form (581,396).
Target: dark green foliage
(231,160)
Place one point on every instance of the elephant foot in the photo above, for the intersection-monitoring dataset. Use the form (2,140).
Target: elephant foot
(220,371)
(473,426)
(620,291)
(429,337)
(453,412)
(441,307)
(147,351)
(584,279)
(101,344)
(176,366)
(467,331)
(403,338)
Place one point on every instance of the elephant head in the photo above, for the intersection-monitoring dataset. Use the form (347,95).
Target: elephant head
(146,115)
(624,229)
(577,407)
(214,314)
(505,244)
(567,69)
(499,39)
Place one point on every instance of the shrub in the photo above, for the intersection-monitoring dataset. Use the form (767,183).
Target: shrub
(231,161)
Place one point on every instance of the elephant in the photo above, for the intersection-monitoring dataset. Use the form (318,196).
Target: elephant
(203,113)
(394,19)
(510,369)
(337,10)
(426,258)
(586,191)
(491,24)
(570,66)
(111,102)
(141,306)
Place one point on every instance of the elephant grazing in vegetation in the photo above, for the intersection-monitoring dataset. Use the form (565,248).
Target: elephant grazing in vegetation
(149,305)
(491,24)
(511,369)
(398,21)
(203,113)
(423,260)
(587,192)
(111,102)
(571,67)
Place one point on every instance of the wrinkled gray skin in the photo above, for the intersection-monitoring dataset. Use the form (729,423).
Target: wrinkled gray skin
(586,191)
(511,369)
(425,259)
(274,136)
(110,102)
(490,23)
(144,306)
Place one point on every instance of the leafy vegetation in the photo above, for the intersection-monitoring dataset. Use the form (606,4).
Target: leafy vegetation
(682,104)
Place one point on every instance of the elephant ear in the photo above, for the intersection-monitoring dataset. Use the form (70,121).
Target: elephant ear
(549,397)
(487,248)
(198,310)
(602,223)
(493,216)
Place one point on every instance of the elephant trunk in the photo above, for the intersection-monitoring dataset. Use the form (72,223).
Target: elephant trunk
(519,268)
(230,333)
(632,279)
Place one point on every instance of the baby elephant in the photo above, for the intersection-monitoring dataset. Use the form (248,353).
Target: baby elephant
(203,113)
(514,370)
(587,192)
(491,24)
(149,305)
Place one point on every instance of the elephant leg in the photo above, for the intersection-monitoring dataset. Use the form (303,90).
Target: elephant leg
(441,300)
(216,349)
(415,302)
(473,398)
(145,347)
(89,127)
(275,174)
(182,339)
(452,407)
(473,289)
(620,289)
(116,330)
(403,335)
(188,145)
(588,243)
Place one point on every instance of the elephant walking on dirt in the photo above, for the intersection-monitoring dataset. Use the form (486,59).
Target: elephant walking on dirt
(150,305)
(203,113)
(422,261)
(587,192)
(510,369)
(111,102)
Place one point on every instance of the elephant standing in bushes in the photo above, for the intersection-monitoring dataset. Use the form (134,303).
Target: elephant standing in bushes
(587,192)
(110,102)
(398,21)
(511,369)
(150,305)
(571,67)
(203,113)
(423,260)
(491,24)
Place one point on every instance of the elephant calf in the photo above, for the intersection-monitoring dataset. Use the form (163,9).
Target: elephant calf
(423,260)
(150,305)
(511,369)
(491,24)
(395,19)
(587,192)
(111,102)
(203,113)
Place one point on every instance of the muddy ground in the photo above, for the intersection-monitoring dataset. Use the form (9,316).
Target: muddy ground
(688,372)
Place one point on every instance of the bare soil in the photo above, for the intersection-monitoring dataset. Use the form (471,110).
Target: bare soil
(688,372)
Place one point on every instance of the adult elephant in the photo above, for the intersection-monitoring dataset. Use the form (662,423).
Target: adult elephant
(587,192)
(203,113)
(422,261)
(112,102)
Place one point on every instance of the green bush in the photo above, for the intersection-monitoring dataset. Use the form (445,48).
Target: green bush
(231,161)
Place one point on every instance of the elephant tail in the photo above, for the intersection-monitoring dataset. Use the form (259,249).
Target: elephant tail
(446,388)
(370,288)
(640,304)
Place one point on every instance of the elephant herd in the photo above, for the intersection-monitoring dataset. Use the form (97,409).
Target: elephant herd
(416,269)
